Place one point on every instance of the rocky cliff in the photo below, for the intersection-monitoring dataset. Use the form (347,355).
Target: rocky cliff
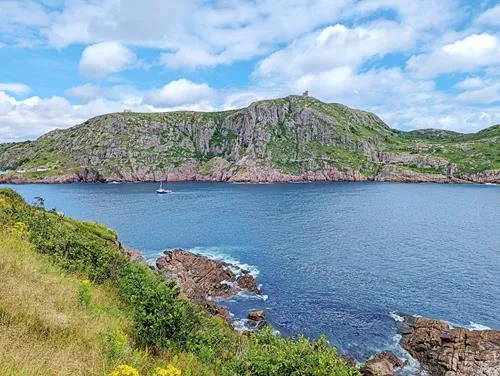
(445,351)
(289,139)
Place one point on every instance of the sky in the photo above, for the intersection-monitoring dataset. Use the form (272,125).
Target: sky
(415,63)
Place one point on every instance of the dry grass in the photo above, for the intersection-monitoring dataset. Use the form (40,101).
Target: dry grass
(46,330)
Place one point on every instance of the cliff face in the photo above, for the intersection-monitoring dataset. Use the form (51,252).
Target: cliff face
(294,138)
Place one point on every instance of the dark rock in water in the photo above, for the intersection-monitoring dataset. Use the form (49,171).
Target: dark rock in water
(247,282)
(381,364)
(200,277)
(443,351)
(257,315)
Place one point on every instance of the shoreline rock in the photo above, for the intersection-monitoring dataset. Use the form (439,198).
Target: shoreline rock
(200,277)
(445,351)
(381,364)
(257,315)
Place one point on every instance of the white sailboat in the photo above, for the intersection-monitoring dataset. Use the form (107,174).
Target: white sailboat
(162,191)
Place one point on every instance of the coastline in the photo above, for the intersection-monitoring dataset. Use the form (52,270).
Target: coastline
(284,179)
(466,350)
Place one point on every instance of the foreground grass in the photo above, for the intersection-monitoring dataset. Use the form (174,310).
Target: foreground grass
(46,330)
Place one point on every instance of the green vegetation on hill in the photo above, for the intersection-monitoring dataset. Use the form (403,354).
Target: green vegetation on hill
(294,135)
(72,303)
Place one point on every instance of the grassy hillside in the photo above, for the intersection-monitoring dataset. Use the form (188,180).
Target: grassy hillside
(71,303)
(46,328)
(290,138)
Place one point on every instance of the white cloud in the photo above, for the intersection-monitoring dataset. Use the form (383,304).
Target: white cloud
(420,15)
(85,92)
(470,53)
(477,90)
(179,93)
(470,83)
(490,17)
(224,31)
(101,59)
(335,46)
(14,88)
(33,116)
(21,20)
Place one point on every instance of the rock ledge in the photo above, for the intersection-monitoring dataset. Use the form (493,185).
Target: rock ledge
(200,277)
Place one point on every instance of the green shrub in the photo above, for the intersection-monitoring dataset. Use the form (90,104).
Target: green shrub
(161,318)
(274,355)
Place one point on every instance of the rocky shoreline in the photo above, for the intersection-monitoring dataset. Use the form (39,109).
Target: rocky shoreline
(263,177)
(439,349)
(445,351)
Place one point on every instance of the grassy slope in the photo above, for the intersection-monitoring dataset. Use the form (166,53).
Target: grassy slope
(46,330)
(472,152)
(135,317)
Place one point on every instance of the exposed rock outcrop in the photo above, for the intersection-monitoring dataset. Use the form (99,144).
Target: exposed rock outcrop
(247,282)
(200,277)
(257,315)
(381,364)
(445,351)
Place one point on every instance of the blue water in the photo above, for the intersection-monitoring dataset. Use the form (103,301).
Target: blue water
(333,258)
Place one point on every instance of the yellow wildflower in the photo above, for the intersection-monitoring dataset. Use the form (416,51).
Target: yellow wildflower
(124,370)
(86,282)
(3,202)
(169,371)
(20,229)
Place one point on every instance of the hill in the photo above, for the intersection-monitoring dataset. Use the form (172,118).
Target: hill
(289,139)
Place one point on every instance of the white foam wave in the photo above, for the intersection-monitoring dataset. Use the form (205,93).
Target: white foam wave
(471,326)
(476,326)
(240,325)
(246,295)
(235,265)
(396,317)
(412,366)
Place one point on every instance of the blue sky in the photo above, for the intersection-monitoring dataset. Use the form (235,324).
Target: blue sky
(416,63)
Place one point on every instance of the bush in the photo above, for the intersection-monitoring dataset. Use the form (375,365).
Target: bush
(161,319)
(81,248)
(274,355)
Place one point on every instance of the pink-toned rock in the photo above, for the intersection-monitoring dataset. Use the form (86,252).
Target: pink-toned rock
(200,277)
(381,364)
(247,282)
(133,254)
(444,351)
